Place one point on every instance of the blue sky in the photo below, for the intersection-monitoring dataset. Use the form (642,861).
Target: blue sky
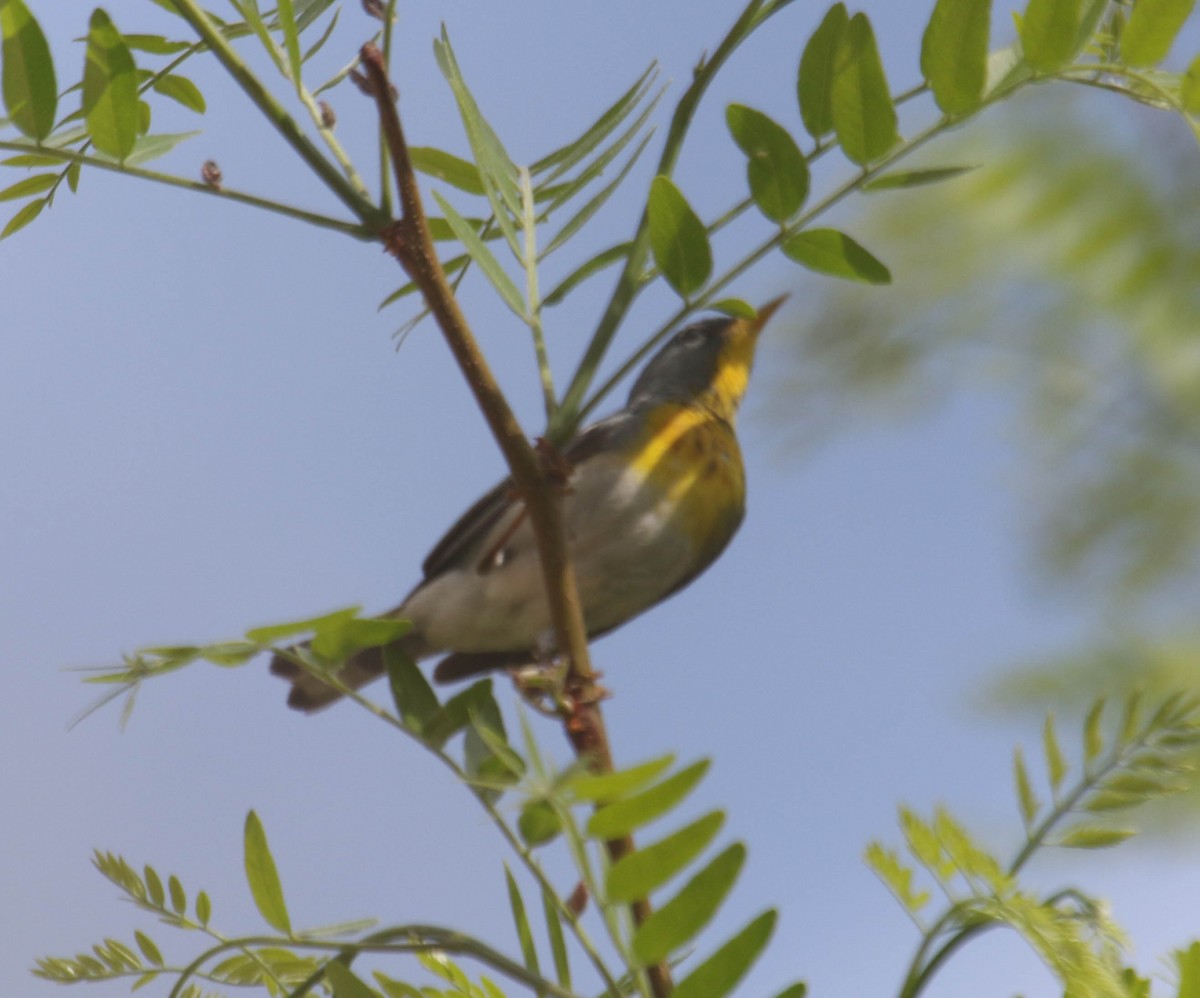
(210,428)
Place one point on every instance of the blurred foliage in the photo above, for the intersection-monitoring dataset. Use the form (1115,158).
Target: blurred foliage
(1064,273)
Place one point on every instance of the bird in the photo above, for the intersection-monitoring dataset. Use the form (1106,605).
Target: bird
(652,496)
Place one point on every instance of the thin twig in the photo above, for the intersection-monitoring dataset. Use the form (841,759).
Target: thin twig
(279,208)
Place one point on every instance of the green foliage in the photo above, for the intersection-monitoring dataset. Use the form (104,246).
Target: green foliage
(110,95)
(505,220)
(1142,759)
(776,169)
(954,54)
(30,91)
(864,117)
(828,251)
(678,239)
(263,878)
(814,84)
(1048,33)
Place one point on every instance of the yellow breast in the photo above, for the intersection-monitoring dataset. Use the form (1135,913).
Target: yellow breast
(690,458)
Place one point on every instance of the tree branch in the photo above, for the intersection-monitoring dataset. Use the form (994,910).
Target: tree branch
(409,240)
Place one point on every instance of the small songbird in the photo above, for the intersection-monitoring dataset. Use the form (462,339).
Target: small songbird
(653,495)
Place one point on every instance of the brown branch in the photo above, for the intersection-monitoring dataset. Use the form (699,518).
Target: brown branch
(409,240)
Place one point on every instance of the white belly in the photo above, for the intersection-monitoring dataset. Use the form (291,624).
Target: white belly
(627,554)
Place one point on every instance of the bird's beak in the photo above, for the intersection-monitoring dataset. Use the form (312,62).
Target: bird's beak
(764,314)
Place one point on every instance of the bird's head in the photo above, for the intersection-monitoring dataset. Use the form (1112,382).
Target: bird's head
(707,363)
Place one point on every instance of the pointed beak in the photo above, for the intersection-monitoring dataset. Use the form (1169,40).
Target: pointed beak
(764,314)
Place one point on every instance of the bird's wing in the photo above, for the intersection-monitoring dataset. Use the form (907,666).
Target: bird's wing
(461,542)
(470,528)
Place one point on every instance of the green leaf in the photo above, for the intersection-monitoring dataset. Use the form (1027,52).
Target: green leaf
(203,908)
(398,989)
(263,878)
(1188,961)
(1025,795)
(447,167)
(345,983)
(1056,764)
(797,990)
(596,202)
(291,38)
(181,90)
(521,921)
(1085,837)
(1093,736)
(1189,90)
(36,184)
(272,633)
(22,218)
(150,147)
(497,170)
(896,875)
(27,80)
(337,640)
(828,251)
(558,945)
(110,99)
(589,268)
(776,169)
(719,974)
(178,897)
(678,239)
(155,44)
(864,117)
(562,159)
(325,36)
(734,307)
(605,787)
(149,950)
(625,815)
(154,887)
(1048,33)
(487,262)
(416,703)
(33,160)
(814,83)
(681,918)
(954,53)
(1152,29)
(638,874)
(915,178)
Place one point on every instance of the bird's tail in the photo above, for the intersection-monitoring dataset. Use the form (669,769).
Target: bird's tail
(310,693)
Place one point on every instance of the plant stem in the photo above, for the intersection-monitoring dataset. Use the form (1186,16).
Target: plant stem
(416,938)
(358,231)
(566,418)
(533,306)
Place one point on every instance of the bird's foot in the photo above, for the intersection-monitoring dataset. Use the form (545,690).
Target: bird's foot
(540,685)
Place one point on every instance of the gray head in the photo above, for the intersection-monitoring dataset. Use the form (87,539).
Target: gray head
(706,363)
